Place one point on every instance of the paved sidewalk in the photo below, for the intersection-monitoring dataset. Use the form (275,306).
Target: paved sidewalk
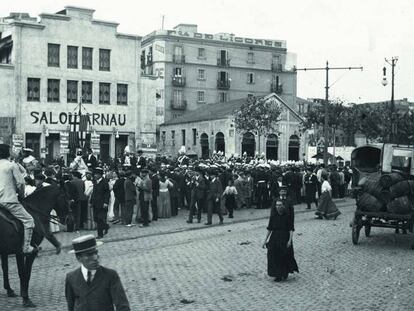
(177,224)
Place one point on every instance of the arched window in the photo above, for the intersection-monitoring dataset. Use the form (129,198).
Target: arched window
(272,147)
(205,149)
(248,144)
(294,144)
(220,143)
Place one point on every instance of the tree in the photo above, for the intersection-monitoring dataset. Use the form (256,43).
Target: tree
(257,115)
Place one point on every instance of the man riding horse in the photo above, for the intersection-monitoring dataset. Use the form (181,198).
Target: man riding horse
(12,185)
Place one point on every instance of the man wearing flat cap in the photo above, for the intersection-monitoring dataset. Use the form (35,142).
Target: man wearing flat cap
(92,286)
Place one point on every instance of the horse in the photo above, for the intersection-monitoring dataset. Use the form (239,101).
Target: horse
(39,204)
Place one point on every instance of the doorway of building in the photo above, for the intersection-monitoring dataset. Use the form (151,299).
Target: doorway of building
(220,143)
(248,144)
(104,147)
(205,149)
(272,147)
(52,147)
(294,144)
(33,142)
(120,144)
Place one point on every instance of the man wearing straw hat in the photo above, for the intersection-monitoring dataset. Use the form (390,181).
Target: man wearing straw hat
(92,286)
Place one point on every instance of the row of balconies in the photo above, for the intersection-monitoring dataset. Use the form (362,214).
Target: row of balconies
(221,62)
(224,84)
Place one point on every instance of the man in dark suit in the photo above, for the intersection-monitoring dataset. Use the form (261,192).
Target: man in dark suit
(155,191)
(141,161)
(90,159)
(198,188)
(92,286)
(215,191)
(130,198)
(100,200)
(311,187)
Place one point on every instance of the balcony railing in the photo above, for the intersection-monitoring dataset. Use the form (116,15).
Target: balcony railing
(178,81)
(274,88)
(223,84)
(179,59)
(178,105)
(222,62)
(276,67)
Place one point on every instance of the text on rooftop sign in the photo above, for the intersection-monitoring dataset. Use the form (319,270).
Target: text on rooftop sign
(230,38)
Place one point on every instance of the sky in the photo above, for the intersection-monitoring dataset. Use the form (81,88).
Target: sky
(343,32)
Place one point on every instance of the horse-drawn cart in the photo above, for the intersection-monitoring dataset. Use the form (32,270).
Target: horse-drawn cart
(383,185)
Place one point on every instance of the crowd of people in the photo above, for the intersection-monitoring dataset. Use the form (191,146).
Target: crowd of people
(152,188)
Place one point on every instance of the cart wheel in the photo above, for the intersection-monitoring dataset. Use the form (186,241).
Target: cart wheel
(355,232)
(367,230)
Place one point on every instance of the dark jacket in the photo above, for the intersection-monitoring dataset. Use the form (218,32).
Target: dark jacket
(103,294)
(155,185)
(130,190)
(199,188)
(311,184)
(100,194)
(142,162)
(215,189)
(90,161)
(119,189)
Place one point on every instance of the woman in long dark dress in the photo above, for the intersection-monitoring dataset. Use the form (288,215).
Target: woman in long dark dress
(280,256)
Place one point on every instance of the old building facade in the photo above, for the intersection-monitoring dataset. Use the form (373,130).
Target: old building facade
(210,128)
(48,66)
(196,69)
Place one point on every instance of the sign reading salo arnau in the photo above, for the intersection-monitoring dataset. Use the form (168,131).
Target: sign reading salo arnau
(109,119)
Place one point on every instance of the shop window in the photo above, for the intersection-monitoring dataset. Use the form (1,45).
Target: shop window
(104,93)
(72,57)
(53,55)
(87,58)
(86,92)
(122,94)
(104,59)
(33,89)
(72,91)
(53,90)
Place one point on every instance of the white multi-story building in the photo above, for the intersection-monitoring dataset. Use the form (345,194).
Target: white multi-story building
(48,64)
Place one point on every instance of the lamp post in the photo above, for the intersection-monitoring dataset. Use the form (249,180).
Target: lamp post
(384,82)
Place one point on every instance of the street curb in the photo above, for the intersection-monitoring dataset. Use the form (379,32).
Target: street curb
(120,239)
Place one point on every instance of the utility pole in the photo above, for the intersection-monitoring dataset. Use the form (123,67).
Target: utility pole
(392,63)
(162,22)
(326,119)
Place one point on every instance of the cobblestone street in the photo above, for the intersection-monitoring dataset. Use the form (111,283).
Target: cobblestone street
(224,267)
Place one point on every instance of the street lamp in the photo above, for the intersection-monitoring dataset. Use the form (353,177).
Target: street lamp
(384,82)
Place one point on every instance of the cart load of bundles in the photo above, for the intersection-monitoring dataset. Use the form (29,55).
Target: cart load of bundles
(392,193)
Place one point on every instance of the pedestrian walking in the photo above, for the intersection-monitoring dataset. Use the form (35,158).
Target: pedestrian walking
(215,191)
(92,286)
(326,208)
(100,201)
(280,255)
(145,187)
(229,195)
(198,188)
(164,200)
(130,198)
(311,187)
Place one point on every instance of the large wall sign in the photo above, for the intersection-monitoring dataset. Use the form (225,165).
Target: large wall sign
(109,119)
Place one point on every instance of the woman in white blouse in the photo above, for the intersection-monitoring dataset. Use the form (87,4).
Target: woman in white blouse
(326,207)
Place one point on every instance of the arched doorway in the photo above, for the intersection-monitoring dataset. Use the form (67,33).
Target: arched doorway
(294,144)
(248,144)
(272,144)
(205,150)
(220,144)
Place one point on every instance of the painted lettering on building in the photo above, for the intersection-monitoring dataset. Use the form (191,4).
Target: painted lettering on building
(109,119)
(228,38)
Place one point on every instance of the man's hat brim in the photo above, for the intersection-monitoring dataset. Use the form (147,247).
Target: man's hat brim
(98,243)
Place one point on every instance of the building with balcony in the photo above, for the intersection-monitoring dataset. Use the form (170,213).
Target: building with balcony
(198,68)
(210,128)
(48,64)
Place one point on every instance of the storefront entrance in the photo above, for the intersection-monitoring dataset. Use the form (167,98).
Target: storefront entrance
(220,143)
(205,149)
(248,144)
(33,142)
(52,147)
(104,147)
(120,144)
(272,147)
(294,144)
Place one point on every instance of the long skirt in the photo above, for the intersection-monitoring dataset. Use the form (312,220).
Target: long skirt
(90,223)
(164,205)
(111,205)
(280,258)
(326,207)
